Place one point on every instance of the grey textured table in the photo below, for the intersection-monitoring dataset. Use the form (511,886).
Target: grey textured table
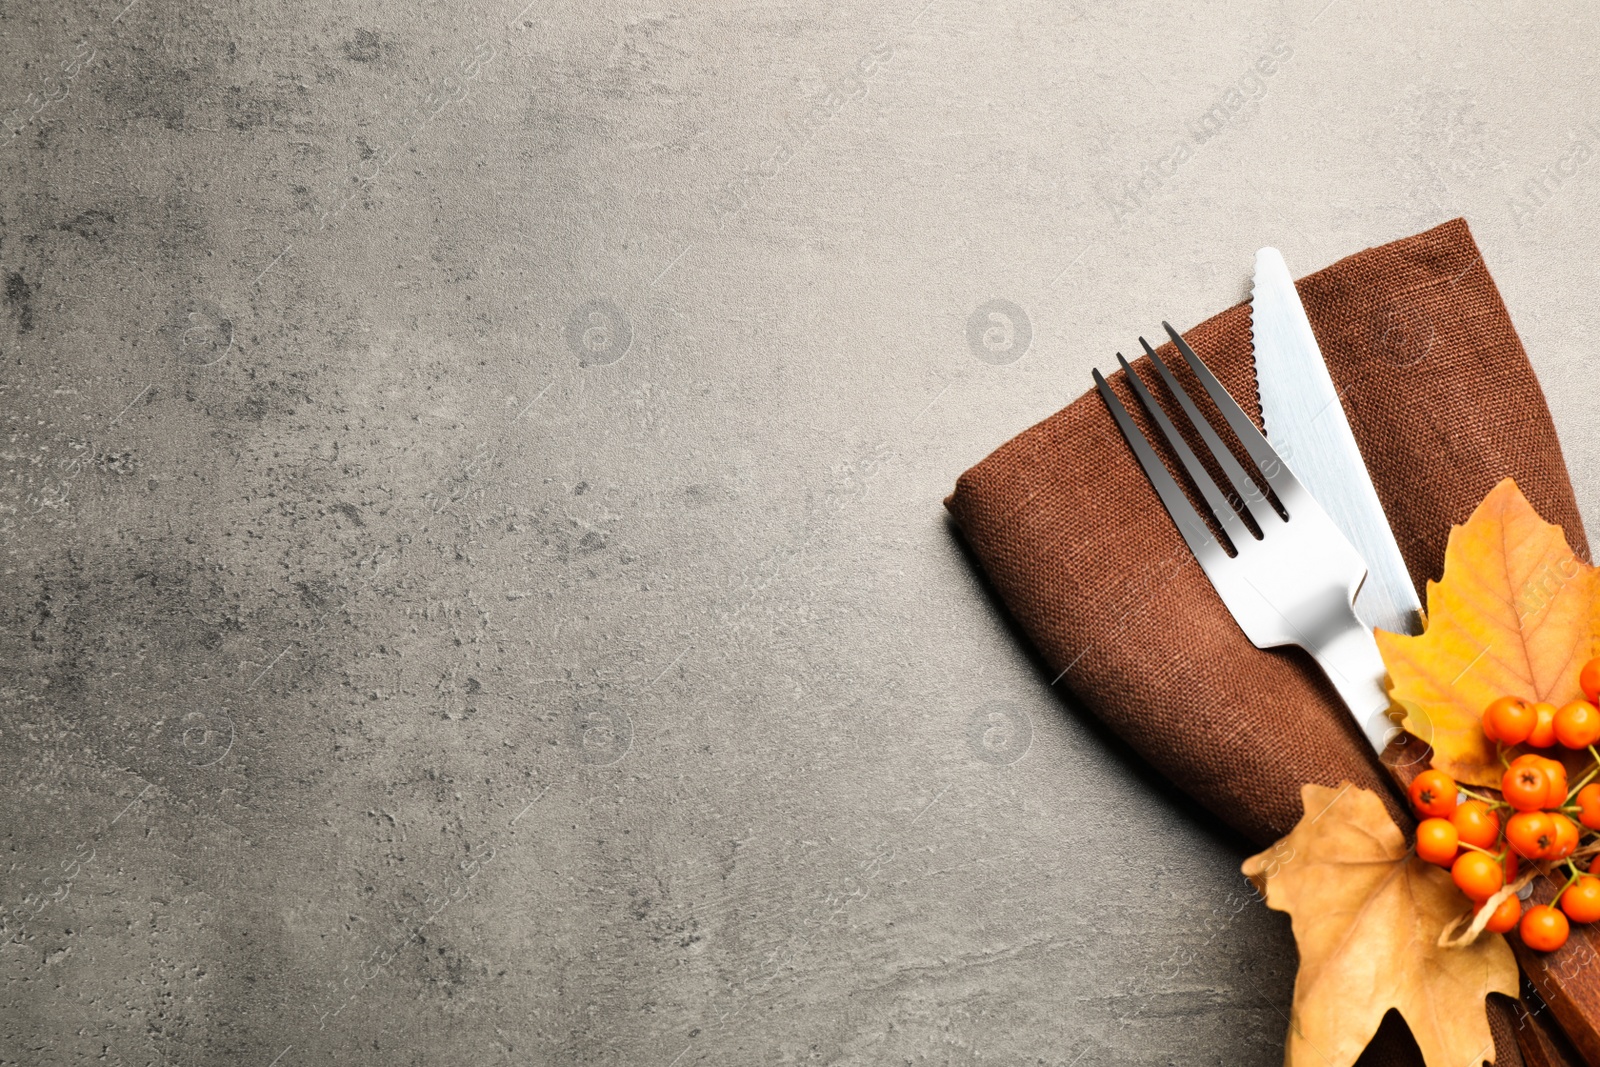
(476,588)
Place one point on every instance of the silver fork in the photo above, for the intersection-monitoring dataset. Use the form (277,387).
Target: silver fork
(1295,583)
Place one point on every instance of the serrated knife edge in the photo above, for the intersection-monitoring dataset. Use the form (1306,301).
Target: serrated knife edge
(1305,421)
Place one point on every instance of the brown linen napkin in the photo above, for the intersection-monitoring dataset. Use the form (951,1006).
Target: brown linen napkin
(1443,403)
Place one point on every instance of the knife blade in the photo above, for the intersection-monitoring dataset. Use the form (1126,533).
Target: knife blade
(1306,423)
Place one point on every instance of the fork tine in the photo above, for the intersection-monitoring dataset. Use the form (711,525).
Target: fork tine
(1246,488)
(1221,509)
(1266,458)
(1195,532)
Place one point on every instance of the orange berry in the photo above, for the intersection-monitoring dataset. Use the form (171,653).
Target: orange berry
(1589,805)
(1556,780)
(1433,793)
(1577,724)
(1525,787)
(1589,680)
(1543,734)
(1543,928)
(1477,825)
(1530,833)
(1476,875)
(1564,839)
(1581,899)
(1437,841)
(1505,917)
(1509,720)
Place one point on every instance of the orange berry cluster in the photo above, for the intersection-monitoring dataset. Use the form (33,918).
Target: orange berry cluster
(1463,831)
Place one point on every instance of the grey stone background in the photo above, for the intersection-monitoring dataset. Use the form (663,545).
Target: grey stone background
(476,588)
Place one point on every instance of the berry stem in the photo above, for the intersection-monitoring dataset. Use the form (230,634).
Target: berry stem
(1585,780)
(1573,877)
(1480,796)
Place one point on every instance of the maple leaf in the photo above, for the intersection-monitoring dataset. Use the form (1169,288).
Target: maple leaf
(1515,614)
(1367,914)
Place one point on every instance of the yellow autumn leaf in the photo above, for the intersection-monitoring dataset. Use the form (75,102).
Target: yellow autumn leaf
(1515,614)
(1367,914)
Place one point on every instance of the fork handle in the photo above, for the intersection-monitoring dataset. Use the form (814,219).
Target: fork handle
(1349,656)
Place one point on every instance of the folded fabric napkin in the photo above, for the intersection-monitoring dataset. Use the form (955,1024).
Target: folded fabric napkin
(1443,404)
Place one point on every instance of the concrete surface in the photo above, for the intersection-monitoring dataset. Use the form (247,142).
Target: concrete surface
(476,588)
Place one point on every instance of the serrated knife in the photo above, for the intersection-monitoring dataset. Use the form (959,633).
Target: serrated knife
(1306,423)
